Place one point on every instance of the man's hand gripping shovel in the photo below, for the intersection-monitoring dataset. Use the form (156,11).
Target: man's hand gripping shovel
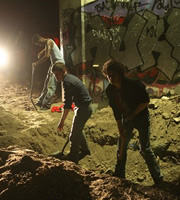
(58,154)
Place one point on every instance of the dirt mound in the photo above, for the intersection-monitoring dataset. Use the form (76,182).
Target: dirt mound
(29,175)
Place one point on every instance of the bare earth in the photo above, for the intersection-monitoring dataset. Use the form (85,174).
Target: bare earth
(28,137)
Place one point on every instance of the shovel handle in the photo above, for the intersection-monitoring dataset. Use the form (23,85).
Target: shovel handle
(32,81)
(121,148)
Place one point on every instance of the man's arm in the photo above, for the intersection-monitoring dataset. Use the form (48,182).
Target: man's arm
(62,120)
(140,107)
(41,53)
(46,56)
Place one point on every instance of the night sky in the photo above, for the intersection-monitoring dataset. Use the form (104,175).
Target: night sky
(30,16)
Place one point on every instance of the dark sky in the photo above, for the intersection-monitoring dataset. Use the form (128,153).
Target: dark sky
(31,16)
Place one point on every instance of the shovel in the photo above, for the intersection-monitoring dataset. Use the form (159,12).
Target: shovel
(120,148)
(59,155)
(32,80)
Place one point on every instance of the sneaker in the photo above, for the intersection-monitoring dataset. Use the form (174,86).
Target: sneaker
(39,104)
(159,182)
(82,154)
(57,155)
(66,157)
(119,172)
(45,107)
(116,174)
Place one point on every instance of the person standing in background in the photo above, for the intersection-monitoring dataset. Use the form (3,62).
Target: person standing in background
(50,51)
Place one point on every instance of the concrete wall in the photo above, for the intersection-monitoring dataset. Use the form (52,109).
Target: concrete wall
(144,35)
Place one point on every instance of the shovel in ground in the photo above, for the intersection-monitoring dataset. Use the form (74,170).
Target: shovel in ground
(32,80)
(120,153)
(60,155)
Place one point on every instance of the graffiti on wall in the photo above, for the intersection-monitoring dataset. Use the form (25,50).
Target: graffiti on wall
(144,35)
(112,8)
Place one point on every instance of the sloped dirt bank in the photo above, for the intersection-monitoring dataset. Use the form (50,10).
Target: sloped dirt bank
(22,126)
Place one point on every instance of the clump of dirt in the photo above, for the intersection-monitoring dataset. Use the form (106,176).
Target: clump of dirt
(23,126)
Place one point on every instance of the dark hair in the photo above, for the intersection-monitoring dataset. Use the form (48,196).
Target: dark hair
(113,66)
(35,37)
(58,67)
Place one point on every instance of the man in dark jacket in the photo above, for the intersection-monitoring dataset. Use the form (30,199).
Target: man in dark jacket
(129,101)
(74,92)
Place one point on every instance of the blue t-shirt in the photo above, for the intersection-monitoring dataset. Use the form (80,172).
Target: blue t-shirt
(74,92)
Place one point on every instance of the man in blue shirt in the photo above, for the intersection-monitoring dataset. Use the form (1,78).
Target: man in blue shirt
(74,92)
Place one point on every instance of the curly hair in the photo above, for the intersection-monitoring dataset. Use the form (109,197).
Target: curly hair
(113,66)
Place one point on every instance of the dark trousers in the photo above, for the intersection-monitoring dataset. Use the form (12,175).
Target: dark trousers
(142,125)
(77,138)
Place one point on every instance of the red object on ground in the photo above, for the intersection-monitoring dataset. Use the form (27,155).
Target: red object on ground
(60,108)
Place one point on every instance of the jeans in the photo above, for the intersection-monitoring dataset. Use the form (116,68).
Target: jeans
(142,125)
(49,88)
(77,138)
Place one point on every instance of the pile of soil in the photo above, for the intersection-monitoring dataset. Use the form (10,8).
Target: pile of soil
(28,137)
(25,174)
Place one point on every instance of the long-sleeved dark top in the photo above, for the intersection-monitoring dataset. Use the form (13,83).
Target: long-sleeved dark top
(74,92)
(123,102)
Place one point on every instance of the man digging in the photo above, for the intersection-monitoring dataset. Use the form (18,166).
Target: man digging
(129,101)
